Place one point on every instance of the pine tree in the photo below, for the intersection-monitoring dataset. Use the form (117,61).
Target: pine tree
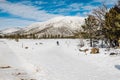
(90,27)
(112,24)
(112,20)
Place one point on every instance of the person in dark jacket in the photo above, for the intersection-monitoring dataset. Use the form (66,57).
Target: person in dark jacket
(58,43)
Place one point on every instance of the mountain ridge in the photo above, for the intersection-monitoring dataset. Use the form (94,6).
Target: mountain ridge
(63,26)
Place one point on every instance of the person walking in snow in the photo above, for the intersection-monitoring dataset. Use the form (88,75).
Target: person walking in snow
(58,43)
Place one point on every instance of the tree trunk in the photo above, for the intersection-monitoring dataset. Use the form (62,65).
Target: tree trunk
(102,43)
(91,42)
(111,43)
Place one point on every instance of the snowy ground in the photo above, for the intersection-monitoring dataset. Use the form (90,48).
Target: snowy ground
(45,60)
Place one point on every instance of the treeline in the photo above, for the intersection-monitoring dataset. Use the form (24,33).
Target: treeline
(104,24)
(34,36)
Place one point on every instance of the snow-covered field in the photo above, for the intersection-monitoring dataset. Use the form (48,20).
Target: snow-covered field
(45,60)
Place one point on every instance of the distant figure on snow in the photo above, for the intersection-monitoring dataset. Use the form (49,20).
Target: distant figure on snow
(58,43)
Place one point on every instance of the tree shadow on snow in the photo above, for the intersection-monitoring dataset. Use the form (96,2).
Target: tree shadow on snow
(117,66)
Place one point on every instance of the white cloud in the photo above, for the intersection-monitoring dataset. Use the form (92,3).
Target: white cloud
(69,8)
(62,10)
(108,2)
(76,6)
(88,7)
(26,11)
(59,3)
(5,23)
(40,2)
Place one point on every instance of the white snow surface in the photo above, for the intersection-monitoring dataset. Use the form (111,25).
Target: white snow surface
(45,60)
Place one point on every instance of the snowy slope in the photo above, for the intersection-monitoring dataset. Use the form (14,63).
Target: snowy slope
(68,21)
(10,30)
(45,60)
(58,25)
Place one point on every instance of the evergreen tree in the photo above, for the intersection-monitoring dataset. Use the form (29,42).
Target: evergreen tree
(112,24)
(90,27)
(112,20)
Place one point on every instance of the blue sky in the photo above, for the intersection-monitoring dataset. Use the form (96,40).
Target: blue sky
(21,13)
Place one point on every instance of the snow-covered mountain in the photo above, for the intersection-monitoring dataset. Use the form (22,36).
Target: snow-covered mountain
(10,30)
(57,26)
(67,21)
(62,26)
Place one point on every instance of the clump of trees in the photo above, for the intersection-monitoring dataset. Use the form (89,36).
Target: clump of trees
(90,27)
(112,24)
(103,23)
